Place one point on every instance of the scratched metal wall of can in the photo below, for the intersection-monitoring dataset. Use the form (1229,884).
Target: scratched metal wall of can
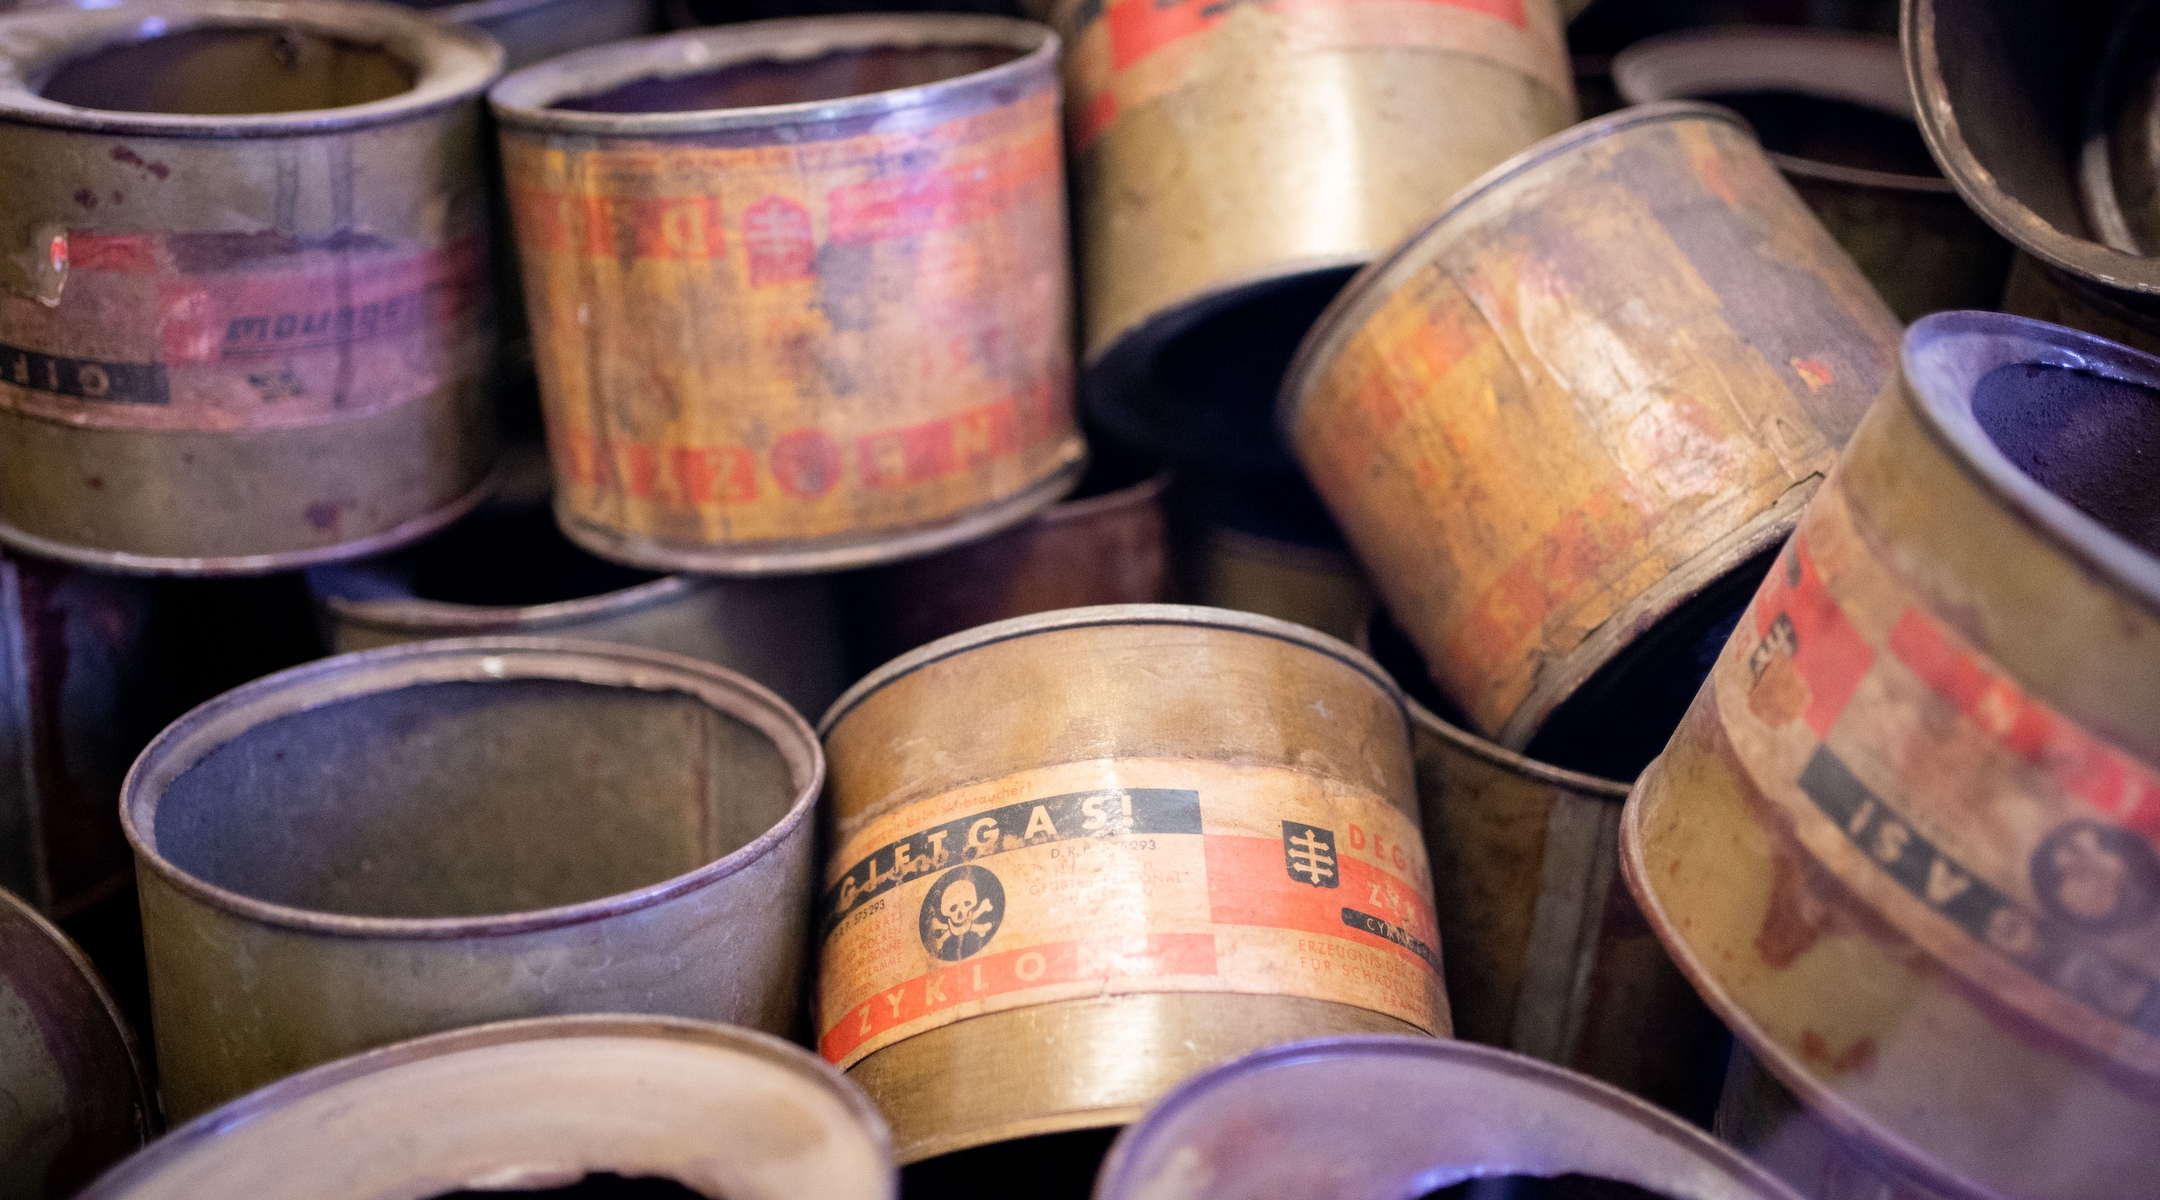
(245,310)
(1078,856)
(1902,842)
(1597,387)
(760,346)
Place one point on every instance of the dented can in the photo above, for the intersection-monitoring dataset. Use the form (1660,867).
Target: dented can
(1235,162)
(466,830)
(1561,420)
(77,1097)
(533,1107)
(1080,855)
(1904,842)
(797,288)
(244,309)
(1377,1118)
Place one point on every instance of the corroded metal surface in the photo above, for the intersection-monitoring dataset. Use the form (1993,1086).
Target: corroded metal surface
(1378,1118)
(244,312)
(530,1106)
(394,842)
(1835,114)
(763,346)
(1315,586)
(1904,841)
(1602,381)
(1078,856)
(75,1099)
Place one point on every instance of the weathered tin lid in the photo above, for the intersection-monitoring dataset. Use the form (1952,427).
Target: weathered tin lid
(1379,1117)
(540,1103)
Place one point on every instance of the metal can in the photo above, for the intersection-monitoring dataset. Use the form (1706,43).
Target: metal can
(1261,542)
(244,308)
(1558,419)
(400,841)
(77,1099)
(507,570)
(1904,841)
(1836,116)
(1105,544)
(1547,954)
(532,1106)
(533,30)
(1080,855)
(1759,1117)
(1233,163)
(1376,1118)
(2044,293)
(798,289)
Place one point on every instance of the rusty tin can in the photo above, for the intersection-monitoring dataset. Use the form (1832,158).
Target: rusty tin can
(1261,542)
(798,289)
(536,1107)
(507,570)
(1904,841)
(1106,544)
(1758,1116)
(1193,833)
(1600,385)
(400,841)
(1378,1118)
(1236,157)
(244,309)
(77,1100)
(1835,114)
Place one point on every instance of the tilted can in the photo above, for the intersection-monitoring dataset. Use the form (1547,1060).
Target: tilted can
(1598,386)
(406,840)
(244,309)
(1836,116)
(507,570)
(1377,1118)
(536,1106)
(1235,159)
(1904,841)
(1078,856)
(77,1098)
(798,289)
(1547,954)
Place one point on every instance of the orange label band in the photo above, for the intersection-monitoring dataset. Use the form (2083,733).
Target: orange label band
(1124,876)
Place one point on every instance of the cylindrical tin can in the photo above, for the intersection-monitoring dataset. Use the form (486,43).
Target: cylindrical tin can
(76,1097)
(1904,841)
(2045,122)
(536,1107)
(244,311)
(1835,114)
(1599,384)
(1759,1117)
(1262,542)
(1377,1118)
(1547,954)
(1105,544)
(1232,159)
(533,30)
(2044,293)
(405,840)
(798,289)
(1080,855)
(507,570)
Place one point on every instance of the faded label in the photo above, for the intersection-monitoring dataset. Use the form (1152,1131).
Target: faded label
(1123,876)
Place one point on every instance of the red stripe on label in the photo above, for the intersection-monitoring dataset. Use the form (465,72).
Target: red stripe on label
(1152,957)
(130,252)
(1250,884)
(1830,654)
(1139,28)
(662,227)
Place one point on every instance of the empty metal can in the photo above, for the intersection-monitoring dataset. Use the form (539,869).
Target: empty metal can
(1835,114)
(400,841)
(1078,856)
(798,289)
(1378,1118)
(1904,842)
(537,1107)
(244,308)
(507,570)
(77,1100)
(1557,422)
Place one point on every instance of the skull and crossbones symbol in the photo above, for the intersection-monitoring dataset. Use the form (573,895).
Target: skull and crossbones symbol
(961,914)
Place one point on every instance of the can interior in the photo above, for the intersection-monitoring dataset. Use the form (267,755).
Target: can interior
(462,799)
(1838,132)
(834,75)
(230,71)
(503,556)
(599,1185)
(2091,440)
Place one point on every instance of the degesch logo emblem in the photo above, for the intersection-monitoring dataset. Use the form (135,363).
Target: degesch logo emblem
(962,912)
